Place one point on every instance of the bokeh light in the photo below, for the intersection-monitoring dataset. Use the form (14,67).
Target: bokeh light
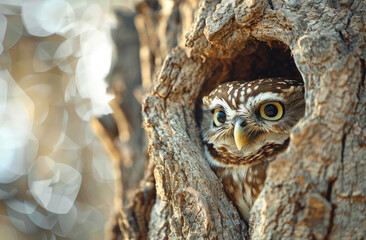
(56,180)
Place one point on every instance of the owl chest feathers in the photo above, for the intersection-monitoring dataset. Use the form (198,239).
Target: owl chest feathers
(243,185)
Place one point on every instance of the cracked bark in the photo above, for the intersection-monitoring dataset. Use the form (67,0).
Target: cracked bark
(317,188)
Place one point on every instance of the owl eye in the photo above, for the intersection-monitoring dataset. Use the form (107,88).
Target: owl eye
(271,111)
(219,117)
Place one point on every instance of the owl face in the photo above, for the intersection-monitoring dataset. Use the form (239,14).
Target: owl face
(245,123)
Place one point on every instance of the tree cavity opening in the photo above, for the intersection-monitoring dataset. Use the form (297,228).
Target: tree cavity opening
(271,59)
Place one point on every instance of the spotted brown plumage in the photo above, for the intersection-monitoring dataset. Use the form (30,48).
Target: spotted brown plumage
(244,126)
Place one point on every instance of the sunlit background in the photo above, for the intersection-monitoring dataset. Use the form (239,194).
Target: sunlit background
(56,179)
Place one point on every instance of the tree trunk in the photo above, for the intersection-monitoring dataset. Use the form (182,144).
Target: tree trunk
(317,188)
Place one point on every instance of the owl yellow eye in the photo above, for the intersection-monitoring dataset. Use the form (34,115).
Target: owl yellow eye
(219,117)
(271,111)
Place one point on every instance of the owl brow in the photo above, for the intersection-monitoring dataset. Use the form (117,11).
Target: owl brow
(265,97)
(216,106)
(223,104)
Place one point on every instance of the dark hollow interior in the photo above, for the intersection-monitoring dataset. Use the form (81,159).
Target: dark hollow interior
(271,59)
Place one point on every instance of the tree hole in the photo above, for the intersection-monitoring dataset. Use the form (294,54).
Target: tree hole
(270,59)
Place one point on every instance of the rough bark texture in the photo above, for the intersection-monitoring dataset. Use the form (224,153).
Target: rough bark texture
(317,189)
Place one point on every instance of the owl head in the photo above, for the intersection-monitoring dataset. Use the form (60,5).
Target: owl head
(245,123)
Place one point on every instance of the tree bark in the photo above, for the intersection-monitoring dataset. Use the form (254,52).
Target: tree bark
(317,188)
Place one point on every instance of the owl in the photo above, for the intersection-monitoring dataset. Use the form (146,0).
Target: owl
(244,126)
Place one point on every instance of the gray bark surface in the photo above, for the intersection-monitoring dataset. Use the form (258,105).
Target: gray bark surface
(317,188)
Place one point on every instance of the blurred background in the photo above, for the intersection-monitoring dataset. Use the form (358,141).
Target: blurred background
(71,86)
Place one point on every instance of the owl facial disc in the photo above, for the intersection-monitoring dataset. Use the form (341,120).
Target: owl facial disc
(246,123)
(240,137)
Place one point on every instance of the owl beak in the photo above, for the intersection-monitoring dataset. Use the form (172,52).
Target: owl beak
(240,137)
